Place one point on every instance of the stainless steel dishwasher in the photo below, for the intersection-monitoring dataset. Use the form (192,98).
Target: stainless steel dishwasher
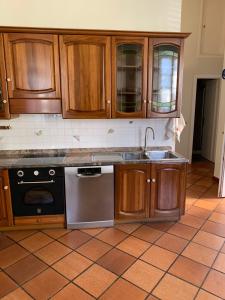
(89,196)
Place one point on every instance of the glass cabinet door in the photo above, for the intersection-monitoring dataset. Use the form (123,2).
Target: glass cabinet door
(129,78)
(165,64)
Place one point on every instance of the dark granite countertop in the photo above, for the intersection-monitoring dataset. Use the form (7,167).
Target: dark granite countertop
(71,157)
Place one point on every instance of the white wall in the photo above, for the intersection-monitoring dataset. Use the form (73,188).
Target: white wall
(42,131)
(150,15)
(196,63)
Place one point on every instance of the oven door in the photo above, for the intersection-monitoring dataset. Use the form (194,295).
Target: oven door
(38,197)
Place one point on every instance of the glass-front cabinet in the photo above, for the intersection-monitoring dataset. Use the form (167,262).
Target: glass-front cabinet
(129,77)
(4,105)
(165,77)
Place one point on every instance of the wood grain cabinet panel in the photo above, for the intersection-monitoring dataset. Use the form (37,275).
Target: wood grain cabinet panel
(32,66)
(168,182)
(4,103)
(131,192)
(86,76)
(6,218)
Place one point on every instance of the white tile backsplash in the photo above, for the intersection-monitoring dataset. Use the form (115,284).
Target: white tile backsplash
(51,131)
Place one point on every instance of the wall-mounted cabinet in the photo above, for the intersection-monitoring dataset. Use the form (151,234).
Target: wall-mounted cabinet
(86,76)
(32,68)
(103,74)
(165,77)
(129,76)
(4,103)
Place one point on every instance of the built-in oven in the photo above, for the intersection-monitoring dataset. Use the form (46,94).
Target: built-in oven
(37,191)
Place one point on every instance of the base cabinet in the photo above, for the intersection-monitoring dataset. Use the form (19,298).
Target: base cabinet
(6,216)
(150,191)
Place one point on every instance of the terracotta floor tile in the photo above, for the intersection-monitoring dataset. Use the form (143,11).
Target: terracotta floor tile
(203,295)
(172,288)
(147,234)
(95,280)
(18,235)
(223,248)
(192,221)
(162,226)
(128,228)
(217,217)
(221,208)
(189,270)
(6,285)
(199,212)
(206,204)
(112,236)
(116,261)
(71,291)
(172,243)
(133,246)
(5,242)
(123,290)
(52,252)
(36,241)
(17,294)
(25,269)
(92,231)
(151,297)
(45,284)
(209,240)
(214,283)
(219,264)
(11,254)
(56,233)
(159,257)
(94,249)
(200,189)
(143,275)
(215,228)
(74,239)
(183,231)
(201,254)
(72,265)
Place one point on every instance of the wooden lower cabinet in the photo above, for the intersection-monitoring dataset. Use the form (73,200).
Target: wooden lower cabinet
(168,186)
(6,217)
(131,192)
(149,191)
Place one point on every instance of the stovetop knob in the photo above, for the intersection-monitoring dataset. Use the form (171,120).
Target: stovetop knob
(20,173)
(51,172)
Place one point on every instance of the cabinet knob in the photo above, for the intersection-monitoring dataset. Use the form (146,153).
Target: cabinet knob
(153,180)
(4,101)
(145,101)
(8,79)
(6,187)
(148,180)
(108,102)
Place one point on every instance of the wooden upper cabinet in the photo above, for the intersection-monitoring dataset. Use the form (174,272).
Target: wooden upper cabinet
(131,196)
(168,186)
(6,217)
(86,76)
(129,76)
(4,103)
(165,77)
(32,66)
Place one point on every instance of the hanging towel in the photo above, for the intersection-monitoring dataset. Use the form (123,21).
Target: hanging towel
(174,127)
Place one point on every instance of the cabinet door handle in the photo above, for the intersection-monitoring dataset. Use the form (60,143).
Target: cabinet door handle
(4,101)
(148,180)
(6,187)
(153,180)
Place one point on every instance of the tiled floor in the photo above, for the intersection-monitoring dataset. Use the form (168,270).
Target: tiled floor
(172,261)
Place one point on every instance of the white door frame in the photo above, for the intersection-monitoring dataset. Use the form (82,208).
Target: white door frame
(193,103)
(221,192)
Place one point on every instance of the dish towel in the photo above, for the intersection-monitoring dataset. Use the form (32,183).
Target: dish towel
(174,127)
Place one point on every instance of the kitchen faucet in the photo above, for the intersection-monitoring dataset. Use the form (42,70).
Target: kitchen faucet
(153,135)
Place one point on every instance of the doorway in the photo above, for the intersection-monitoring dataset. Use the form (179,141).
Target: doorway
(205,122)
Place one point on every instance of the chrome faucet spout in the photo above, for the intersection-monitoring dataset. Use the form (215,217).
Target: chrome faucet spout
(146,132)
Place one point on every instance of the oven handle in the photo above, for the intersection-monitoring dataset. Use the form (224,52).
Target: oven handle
(35,182)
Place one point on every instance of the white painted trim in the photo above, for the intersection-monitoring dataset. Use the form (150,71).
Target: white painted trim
(193,103)
(221,192)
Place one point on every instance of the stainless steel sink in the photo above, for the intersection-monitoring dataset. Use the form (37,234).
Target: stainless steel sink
(134,156)
(158,155)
